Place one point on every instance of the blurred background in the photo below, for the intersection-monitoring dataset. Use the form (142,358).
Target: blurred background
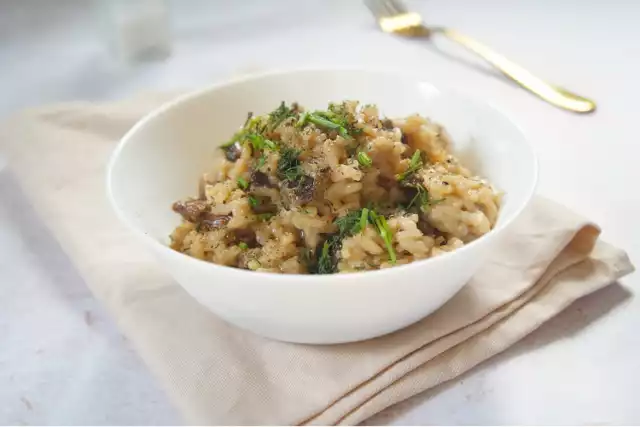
(63,49)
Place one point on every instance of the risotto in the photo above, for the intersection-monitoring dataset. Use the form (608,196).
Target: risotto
(333,191)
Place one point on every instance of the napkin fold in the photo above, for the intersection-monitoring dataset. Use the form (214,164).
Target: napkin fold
(218,374)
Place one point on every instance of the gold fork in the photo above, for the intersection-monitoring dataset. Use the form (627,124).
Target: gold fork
(394,18)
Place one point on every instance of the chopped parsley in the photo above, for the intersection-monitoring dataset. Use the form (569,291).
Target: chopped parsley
(328,260)
(335,118)
(302,120)
(252,131)
(348,224)
(339,114)
(259,142)
(384,231)
(252,126)
(414,164)
(243,246)
(364,159)
(289,165)
(422,199)
(294,174)
(322,121)
(261,161)
(253,202)
(325,266)
(364,219)
(237,137)
(242,183)
(249,117)
(279,115)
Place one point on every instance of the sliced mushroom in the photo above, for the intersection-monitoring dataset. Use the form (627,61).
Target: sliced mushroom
(427,229)
(191,210)
(304,190)
(233,152)
(386,182)
(244,235)
(300,233)
(209,221)
(264,205)
(296,193)
(387,124)
(260,179)
(334,248)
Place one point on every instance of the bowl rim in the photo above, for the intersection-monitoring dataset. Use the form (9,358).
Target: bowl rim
(286,279)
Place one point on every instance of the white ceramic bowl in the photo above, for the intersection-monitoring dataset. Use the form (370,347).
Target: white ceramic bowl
(162,157)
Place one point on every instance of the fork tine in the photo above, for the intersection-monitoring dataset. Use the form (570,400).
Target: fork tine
(387,7)
(397,7)
(378,8)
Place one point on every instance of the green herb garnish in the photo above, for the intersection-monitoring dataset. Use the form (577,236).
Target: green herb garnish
(289,165)
(252,126)
(243,246)
(237,137)
(414,164)
(279,115)
(249,117)
(348,224)
(336,118)
(364,160)
(385,232)
(261,161)
(364,219)
(317,119)
(422,198)
(253,202)
(353,222)
(257,124)
(327,261)
(326,123)
(259,142)
(242,183)
(340,115)
(294,174)
(302,120)
(324,262)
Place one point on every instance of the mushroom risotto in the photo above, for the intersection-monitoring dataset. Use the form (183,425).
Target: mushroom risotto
(334,191)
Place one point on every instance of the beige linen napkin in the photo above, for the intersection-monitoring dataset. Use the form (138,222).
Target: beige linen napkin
(217,374)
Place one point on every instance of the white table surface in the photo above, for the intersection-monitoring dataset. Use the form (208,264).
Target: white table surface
(62,360)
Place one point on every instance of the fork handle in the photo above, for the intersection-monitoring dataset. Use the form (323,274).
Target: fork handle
(553,94)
